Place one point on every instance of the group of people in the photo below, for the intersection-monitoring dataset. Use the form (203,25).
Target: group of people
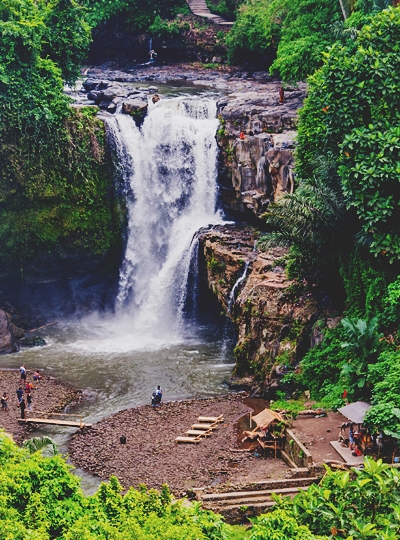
(24,392)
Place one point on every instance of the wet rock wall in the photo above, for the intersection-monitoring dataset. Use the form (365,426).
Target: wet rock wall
(271,315)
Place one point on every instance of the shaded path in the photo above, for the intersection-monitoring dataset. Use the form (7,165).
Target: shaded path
(199,8)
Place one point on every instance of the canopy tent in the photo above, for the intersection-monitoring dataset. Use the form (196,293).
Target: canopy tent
(355,412)
(266,417)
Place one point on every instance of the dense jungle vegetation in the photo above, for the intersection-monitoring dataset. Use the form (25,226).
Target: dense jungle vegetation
(342,223)
(54,184)
(42,500)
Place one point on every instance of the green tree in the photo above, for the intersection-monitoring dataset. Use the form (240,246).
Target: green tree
(41,500)
(67,37)
(345,505)
(314,224)
(362,344)
(352,114)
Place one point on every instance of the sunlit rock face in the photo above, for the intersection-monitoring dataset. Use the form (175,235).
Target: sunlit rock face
(272,318)
(257,138)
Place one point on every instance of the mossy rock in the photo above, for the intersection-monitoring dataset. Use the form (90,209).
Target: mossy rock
(32,341)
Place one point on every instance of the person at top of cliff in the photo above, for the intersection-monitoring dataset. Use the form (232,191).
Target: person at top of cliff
(242,136)
(153,55)
(281,95)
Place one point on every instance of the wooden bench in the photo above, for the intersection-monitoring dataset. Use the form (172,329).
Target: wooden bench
(211,419)
(190,440)
(204,427)
(198,432)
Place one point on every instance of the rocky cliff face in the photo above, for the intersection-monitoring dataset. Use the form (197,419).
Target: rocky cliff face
(256,138)
(8,342)
(272,316)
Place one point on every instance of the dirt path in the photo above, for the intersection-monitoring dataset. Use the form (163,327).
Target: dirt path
(315,434)
(152,457)
(49,395)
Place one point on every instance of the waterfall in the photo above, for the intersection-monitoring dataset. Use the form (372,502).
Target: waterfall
(234,288)
(169,167)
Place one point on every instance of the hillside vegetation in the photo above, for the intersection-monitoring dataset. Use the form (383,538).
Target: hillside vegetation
(342,223)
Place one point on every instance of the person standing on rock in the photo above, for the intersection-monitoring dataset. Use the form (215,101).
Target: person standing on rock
(23,374)
(22,406)
(20,394)
(4,402)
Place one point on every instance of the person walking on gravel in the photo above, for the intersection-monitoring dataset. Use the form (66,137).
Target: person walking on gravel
(29,401)
(22,406)
(23,374)
(4,402)
(20,394)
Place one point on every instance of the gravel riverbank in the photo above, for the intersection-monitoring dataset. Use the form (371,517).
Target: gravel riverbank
(151,456)
(49,395)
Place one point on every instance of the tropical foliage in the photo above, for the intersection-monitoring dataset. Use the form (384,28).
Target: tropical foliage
(54,183)
(132,15)
(348,505)
(41,500)
(295,32)
(352,113)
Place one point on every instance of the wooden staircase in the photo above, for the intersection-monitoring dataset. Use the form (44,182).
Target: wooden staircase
(241,502)
(199,8)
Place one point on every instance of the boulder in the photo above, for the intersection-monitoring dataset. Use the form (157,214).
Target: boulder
(32,341)
(135,107)
(90,84)
(272,326)
(7,339)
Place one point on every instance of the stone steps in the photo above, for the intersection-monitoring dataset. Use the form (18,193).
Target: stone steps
(199,8)
(239,495)
(240,504)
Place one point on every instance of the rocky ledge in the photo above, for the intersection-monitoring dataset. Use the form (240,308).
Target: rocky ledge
(257,127)
(272,316)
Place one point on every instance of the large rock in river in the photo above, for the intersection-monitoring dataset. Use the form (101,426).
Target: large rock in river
(7,339)
(137,108)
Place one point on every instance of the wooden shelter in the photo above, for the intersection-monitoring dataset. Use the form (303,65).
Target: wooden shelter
(268,430)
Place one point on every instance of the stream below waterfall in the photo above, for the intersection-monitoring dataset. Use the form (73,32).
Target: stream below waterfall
(155,336)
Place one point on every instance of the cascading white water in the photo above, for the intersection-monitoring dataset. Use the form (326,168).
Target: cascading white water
(170,167)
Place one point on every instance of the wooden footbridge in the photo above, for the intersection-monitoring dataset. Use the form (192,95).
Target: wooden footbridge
(55,419)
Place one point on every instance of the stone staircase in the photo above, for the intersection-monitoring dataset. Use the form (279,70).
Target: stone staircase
(239,503)
(199,8)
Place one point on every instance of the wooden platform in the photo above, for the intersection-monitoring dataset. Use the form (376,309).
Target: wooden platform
(197,432)
(204,428)
(54,422)
(192,440)
(346,455)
